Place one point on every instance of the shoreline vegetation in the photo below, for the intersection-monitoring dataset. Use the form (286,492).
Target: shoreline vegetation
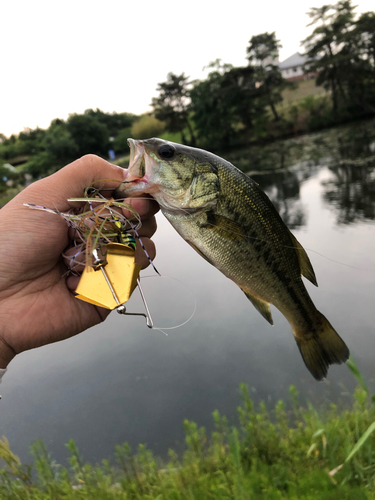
(290,452)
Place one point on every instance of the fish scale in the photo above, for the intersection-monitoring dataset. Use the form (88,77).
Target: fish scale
(225,216)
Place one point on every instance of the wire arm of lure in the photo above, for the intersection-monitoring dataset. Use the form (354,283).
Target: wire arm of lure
(122,309)
(99,263)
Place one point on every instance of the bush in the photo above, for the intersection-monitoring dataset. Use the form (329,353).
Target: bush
(41,165)
(147,126)
(120,144)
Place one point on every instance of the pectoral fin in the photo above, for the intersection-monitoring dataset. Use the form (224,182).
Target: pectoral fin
(305,265)
(223,227)
(261,306)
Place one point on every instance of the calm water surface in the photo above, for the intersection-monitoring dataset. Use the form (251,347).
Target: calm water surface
(120,381)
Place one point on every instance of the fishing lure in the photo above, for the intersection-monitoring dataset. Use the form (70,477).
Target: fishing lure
(103,237)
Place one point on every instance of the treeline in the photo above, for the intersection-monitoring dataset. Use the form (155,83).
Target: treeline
(47,150)
(40,152)
(235,105)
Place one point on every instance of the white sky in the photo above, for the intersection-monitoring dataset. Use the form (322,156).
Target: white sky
(61,57)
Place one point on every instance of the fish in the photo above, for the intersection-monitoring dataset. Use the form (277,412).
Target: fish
(227,218)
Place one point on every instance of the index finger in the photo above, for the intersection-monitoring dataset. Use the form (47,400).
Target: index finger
(145,207)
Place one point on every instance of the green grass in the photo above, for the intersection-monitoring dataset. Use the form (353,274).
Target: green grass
(275,454)
(304,89)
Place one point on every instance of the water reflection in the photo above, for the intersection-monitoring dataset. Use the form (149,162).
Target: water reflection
(351,192)
(355,143)
(348,151)
(283,189)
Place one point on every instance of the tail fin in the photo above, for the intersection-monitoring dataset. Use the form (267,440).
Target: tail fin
(322,348)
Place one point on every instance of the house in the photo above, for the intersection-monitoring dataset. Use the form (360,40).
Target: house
(292,68)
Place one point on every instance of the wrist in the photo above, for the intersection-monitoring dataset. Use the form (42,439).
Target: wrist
(6,353)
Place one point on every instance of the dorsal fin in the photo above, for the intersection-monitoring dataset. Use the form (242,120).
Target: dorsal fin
(304,262)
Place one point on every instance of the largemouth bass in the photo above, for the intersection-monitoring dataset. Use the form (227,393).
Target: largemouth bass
(224,215)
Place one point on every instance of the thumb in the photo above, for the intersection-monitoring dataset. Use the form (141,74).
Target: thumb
(71,181)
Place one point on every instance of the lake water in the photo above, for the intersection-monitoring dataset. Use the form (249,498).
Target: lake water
(120,381)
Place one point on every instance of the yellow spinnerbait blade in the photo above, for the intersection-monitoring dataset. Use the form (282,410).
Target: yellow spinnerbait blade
(112,283)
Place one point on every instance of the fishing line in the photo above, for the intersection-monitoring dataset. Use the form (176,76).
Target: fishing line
(145,251)
(192,295)
(247,237)
(338,262)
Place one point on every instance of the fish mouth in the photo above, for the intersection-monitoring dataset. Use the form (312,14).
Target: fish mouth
(139,177)
(137,163)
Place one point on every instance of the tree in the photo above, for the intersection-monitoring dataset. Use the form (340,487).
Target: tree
(212,115)
(30,141)
(172,106)
(41,164)
(114,122)
(365,30)
(89,134)
(262,54)
(263,49)
(362,80)
(226,105)
(59,143)
(334,52)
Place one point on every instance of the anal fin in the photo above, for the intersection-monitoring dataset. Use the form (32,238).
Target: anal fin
(261,306)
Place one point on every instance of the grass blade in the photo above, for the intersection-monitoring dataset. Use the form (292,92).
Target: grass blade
(357,374)
(361,441)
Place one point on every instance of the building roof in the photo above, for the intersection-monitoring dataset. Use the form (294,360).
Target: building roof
(291,62)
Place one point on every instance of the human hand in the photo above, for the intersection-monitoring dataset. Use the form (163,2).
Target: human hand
(37,306)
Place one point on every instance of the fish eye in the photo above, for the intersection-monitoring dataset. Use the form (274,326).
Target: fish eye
(166,151)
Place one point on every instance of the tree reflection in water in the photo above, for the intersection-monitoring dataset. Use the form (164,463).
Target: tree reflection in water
(351,192)
(282,188)
(349,153)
